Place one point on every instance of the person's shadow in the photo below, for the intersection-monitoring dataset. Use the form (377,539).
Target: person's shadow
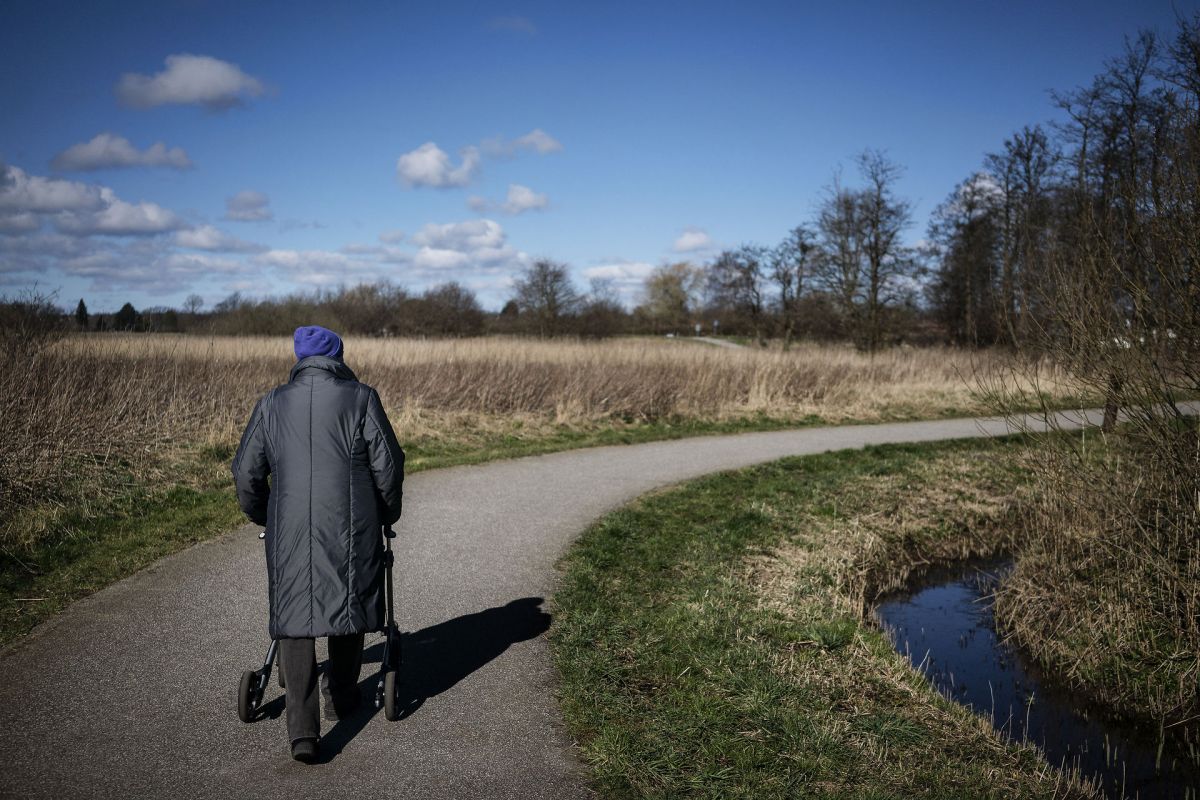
(435,658)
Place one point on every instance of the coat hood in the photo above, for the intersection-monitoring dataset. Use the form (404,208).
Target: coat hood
(334,366)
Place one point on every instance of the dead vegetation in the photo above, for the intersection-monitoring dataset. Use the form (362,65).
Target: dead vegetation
(86,404)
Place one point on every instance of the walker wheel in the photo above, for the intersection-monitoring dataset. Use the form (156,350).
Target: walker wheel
(246,705)
(390,711)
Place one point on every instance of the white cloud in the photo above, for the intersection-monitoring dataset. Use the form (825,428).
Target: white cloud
(79,209)
(471,249)
(522,198)
(119,218)
(519,200)
(109,151)
(22,192)
(536,140)
(433,258)
(320,267)
(692,240)
(207,237)
(190,80)
(539,141)
(248,206)
(430,165)
(473,234)
(626,272)
(626,277)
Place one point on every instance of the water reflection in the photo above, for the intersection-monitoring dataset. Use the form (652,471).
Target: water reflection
(945,628)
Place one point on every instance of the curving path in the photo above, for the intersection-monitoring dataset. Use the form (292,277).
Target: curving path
(130,693)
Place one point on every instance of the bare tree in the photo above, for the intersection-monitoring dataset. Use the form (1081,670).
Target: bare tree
(544,291)
(863,262)
(791,265)
(451,309)
(840,260)
(736,281)
(1024,172)
(601,313)
(193,304)
(883,217)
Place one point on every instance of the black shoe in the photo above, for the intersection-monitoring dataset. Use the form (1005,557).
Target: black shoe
(305,750)
(340,707)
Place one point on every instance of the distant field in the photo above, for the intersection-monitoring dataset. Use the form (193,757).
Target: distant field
(630,379)
(109,435)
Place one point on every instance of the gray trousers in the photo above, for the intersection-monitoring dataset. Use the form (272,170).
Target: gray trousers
(298,661)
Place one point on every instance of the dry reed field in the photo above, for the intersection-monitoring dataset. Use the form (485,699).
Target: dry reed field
(88,404)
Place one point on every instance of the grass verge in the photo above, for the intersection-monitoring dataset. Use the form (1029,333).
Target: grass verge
(56,554)
(712,638)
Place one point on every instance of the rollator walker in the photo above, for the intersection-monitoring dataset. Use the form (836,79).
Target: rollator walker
(254,681)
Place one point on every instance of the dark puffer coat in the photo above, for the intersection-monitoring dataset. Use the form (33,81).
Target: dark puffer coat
(336,474)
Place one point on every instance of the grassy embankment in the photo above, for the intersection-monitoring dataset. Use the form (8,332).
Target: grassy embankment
(714,639)
(119,445)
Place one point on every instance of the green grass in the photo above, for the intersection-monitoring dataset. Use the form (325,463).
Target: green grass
(711,638)
(86,552)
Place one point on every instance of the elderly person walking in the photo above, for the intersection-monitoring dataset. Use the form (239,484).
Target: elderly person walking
(336,474)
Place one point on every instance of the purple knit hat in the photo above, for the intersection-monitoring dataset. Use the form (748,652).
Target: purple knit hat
(313,340)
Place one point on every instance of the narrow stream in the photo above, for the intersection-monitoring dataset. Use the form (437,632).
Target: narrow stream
(944,626)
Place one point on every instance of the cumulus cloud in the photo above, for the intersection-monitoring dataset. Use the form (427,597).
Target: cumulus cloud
(470,235)
(208,237)
(430,165)
(119,218)
(248,206)
(522,198)
(77,208)
(513,24)
(109,151)
(190,80)
(692,240)
(474,247)
(22,192)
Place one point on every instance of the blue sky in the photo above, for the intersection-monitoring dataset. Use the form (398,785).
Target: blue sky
(307,145)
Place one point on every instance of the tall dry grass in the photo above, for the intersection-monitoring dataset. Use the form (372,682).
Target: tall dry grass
(84,403)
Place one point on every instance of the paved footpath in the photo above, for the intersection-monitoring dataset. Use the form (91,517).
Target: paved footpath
(131,692)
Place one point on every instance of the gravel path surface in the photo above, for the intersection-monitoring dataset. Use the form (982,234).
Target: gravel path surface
(131,692)
(717,342)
